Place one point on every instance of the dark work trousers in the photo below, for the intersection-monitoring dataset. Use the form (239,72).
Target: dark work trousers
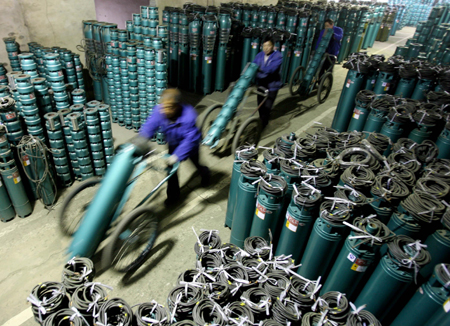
(326,65)
(264,110)
(173,186)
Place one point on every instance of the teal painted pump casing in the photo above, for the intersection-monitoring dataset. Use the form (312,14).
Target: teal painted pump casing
(16,190)
(421,89)
(443,143)
(7,211)
(440,317)
(245,202)
(438,245)
(46,190)
(393,130)
(421,133)
(375,121)
(405,87)
(384,83)
(385,286)
(224,35)
(269,204)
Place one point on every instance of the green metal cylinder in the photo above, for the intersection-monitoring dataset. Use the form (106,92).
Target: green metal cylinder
(404,224)
(440,317)
(255,45)
(16,191)
(421,89)
(371,79)
(375,121)
(45,188)
(443,143)
(385,286)
(245,203)
(7,211)
(438,245)
(246,48)
(268,206)
(209,38)
(393,130)
(352,85)
(414,50)
(224,35)
(427,300)
(405,87)
(384,82)
(358,119)
(421,133)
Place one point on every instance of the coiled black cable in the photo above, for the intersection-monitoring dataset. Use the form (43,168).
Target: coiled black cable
(364,98)
(334,213)
(407,70)
(426,152)
(390,188)
(300,292)
(337,306)
(446,219)
(316,177)
(210,261)
(324,138)
(358,62)
(254,267)
(304,149)
(432,186)
(401,172)
(115,311)
(286,312)
(246,153)
(379,141)
(438,98)
(399,114)
(240,313)
(353,195)
(275,284)
(313,318)
(444,79)
(374,227)
(219,292)
(273,156)
(284,144)
(208,240)
(440,169)
(253,169)
(191,275)
(358,177)
(423,207)
(383,103)
(292,167)
(306,197)
(51,296)
(181,301)
(404,145)
(407,159)
(207,312)
(387,66)
(64,317)
(441,271)
(270,322)
(348,139)
(273,185)
(233,274)
(257,247)
(426,71)
(76,272)
(88,298)
(375,60)
(151,313)
(258,300)
(363,317)
(231,253)
(404,254)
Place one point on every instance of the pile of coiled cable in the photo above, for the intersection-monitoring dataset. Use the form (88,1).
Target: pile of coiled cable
(273,157)
(88,299)
(426,71)
(336,305)
(356,156)
(304,149)
(426,152)
(258,300)
(363,317)
(438,98)
(348,139)
(401,172)
(313,318)
(284,144)
(407,70)
(335,213)
(47,298)
(440,169)
(115,311)
(76,272)
(207,312)
(407,253)
(324,138)
(239,313)
(426,117)
(444,79)
(399,114)
(433,187)
(253,169)
(358,177)
(181,301)
(383,103)
(316,177)
(379,141)
(273,185)
(207,240)
(246,153)
(373,227)
(258,247)
(189,276)
(306,197)
(292,167)
(387,66)
(358,62)
(364,98)
(446,219)
(423,207)
(64,317)
(151,313)
(210,260)
(407,159)
(390,188)
(404,145)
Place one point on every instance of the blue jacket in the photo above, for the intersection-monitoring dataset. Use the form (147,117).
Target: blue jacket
(268,74)
(335,42)
(183,134)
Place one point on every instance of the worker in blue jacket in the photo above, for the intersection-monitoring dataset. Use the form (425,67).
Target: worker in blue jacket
(268,76)
(335,43)
(177,121)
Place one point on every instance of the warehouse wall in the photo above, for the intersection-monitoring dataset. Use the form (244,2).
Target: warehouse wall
(179,3)
(118,11)
(48,22)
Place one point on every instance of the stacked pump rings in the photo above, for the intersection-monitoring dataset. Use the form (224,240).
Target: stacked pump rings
(13,49)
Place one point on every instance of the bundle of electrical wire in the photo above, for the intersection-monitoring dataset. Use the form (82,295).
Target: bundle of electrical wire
(48,296)
(314,318)
(191,275)
(439,98)
(426,152)
(208,240)
(424,207)
(304,149)
(383,103)
(440,169)
(275,283)
(351,194)
(404,145)
(186,322)
(64,317)
(253,169)
(318,178)
(362,318)
(444,79)
(257,247)
(233,274)
(151,313)
(407,70)
(376,59)
(259,301)
(284,144)
(273,185)
(388,66)
(254,267)
(273,156)
(76,272)
(231,253)
(446,219)
(301,292)
(218,292)
(239,313)
(336,305)
(335,212)
(379,141)
(181,301)
(441,271)
(358,62)
(88,298)
(306,197)
(390,188)
(407,253)
(210,260)
(401,172)
(358,177)
(246,153)
(426,71)
(407,159)
(374,227)
(323,138)
(432,186)
(115,312)
(348,139)
(286,312)
(364,98)
(347,156)
(207,312)
(372,163)
(330,167)
(399,114)
(292,167)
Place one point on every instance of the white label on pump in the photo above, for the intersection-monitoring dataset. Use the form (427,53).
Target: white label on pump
(260,211)
(291,223)
(446,305)
(351,257)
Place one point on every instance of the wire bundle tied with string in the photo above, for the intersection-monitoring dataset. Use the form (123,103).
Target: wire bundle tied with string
(275,284)
(364,98)
(208,239)
(210,260)
(257,247)
(426,152)
(433,187)
(259,301)
(348,139)
(189,276)
(316,319)
(399,114)
(231,253)
(407,159)
(379,141)
(426,71)
(219,292)
(383,103)
(316,177)
(181,301)
(361,318)
(442,272)
(253,169)
(42,177)
(336,305)
(151,313)
(67,317)
(358,177)
(306,196)
(439,168)
(424,207)
(358,62)
(301,291)
(88,299)
(246,153)
(376,59)
(439,98)
(401,172)
(389,188)
(207,312)
(115,312)
(292,167)
(347,158)
(233,274)
(304,149)
(371,230)
(335,211)
(426,117)
(323,138)
(444,79)
(358,199)
(286,311)
(388,66)
(407,70)
(255,267)
(404,145)
(408,254)
(239,314)
(77,271)
(273,157)
(284,144)
(47,298)
(446,219)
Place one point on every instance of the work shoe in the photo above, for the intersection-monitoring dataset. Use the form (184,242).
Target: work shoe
(206,177)
(172,202)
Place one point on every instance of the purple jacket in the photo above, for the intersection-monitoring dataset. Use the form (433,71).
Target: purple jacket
(183,134)
(268,74)
(335,43)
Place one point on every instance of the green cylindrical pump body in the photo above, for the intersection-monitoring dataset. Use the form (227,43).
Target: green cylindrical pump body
(421,133)
(246,48)
(440,317)
(349,268)
(235,175)
(324,241)
(46,190)
(195,29)
(7,211)
(402,224)
(359,118)
(268,206)
(296,230)
(405,87)
(384,82)
(443,143)
(438,245)
(375,121)
(224,34)
(209,35)
(352,85)
(393,130)
(427,300)
(422,87)
(385,286)
(16,191)
(414,50)
(245,208)
(371,79)
(255,45)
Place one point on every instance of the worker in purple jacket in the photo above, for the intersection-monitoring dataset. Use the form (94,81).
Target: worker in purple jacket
(335,43)
(268,76)
(177,121)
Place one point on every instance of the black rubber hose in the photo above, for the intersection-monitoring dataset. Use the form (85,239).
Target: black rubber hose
(404,145)
(231,253)
(304,149)
(273,156)
(407,70)
(324,138)
(115,311)
(352,195)
(363,317)
(432,186)
(210,261)
(257,247)
(64,317)
(424,207)
(317,178)
(440,169)
(407,256)
(390,188)
(253,169)
(400,172)
(273,185)
(233,274)
(337,306)
(348,139)
(364,98)
(208,240)
(313,318)
(374,227)
(88,299)
(250,265)
(292,167)
(259,301)
(275,284)
(76,272)
(306,197)
(358,177)
(240,313)
(270,322)
(207,312)
(426,152)
(181,301)
(51,296)
(407,159)
(300,292)
(151,313)
(246,153)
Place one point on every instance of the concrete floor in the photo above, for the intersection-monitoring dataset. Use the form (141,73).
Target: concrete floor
(33,249)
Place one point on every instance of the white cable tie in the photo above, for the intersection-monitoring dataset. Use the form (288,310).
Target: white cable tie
(94,305)
(93,284)
(339,297)
(366,234)
(78,314)
(446,285)
(317,287)
(319,302)
(356,311)
(198,241)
